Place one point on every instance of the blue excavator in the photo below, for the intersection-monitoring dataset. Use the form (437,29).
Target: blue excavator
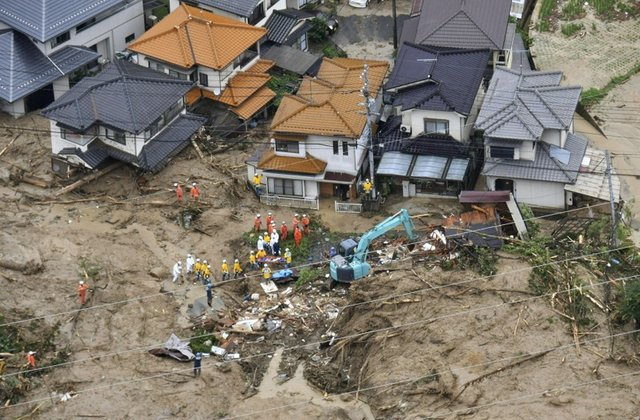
(350,264)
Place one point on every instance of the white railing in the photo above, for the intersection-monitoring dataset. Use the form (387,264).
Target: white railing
(296,202)
(348,207)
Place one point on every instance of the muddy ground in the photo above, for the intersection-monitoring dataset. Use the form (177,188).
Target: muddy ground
(121,233)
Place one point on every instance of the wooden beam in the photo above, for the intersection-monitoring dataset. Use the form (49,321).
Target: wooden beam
(79,183)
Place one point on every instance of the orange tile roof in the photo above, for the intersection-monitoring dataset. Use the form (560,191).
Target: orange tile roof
(242,86)
(328,105)
(190,36)
(307,165)
(262,66)
(255,103)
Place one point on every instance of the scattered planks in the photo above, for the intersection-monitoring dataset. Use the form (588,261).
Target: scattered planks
(5,148)
(95,175)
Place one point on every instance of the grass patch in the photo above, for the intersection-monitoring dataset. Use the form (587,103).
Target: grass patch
(198,344)
(309,275)
(593,96)
(573,9)
(547,11)
(283,83)
(570,29)
(332,51)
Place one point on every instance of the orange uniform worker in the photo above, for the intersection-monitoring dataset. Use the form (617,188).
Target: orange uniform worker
(179,192)
(284,231)
(270,218)
(195,192)
(297,236)
(305,224)
(257,223)
(295,222)
(31,359)
(82,292)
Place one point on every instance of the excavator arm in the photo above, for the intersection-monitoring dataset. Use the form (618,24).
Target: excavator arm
(348,270)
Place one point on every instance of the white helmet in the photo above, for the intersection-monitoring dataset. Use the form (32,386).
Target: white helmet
(266,265)
(258,215)
(224,261)
(81,282)
(367,180)
(265,234)
(197,259)
(175,184)
(283,222)
(208,265)
(252,252)
(188,255)
(286,250)
(194,184)
(179,262)
(297,215)
(304,215)
(204,262)
(236,260)
(269,213)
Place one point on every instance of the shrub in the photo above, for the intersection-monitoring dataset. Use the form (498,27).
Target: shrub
(592,96)
(630,303)
(573,9)
(570,29)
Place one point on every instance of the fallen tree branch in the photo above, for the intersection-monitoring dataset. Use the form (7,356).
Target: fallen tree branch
(5,148)
(79,183)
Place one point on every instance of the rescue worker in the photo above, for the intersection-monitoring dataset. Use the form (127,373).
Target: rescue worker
(260,245)
(253,265)
(367,186)
(224,269)
(195,192)
(237,270)
(269,219)
(190,263)
(82,292)
(197,363)
(267,242)
(275,242)
(257,223)
(261,254)
(269,228)
(305,224)
(283,231)
(257,182)
(206,273)
(179,192)
(209,288)
(177,270)
(31,359)
(266,273)
(332,252)
(297,236)
(198,270)
(295,222)
(203,270)
(287,258)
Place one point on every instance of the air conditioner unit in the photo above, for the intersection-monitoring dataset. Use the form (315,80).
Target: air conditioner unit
(405,128)
(152,20)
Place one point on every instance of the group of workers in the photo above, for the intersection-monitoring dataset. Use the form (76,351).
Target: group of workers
(200,271)
(194,192)
(300,227)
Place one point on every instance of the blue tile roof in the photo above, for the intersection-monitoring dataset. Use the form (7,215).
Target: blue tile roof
(27,69)
(45,19)
(437,79)
(281,23)
(242,8)
(124,96)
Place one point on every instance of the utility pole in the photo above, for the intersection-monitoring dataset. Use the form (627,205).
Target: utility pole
(613,245)
(368,103)
(614,238)
(395,24)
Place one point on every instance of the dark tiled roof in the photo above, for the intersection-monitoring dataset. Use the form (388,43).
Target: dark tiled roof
(543,167)
(43,20)
(124,96)
(293,59)
(437,79)
(463,23)
(237,7)
(27,69)
(169,142)
(281,23)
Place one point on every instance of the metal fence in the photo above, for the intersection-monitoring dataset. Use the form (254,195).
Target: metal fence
(301,203)
(348,207)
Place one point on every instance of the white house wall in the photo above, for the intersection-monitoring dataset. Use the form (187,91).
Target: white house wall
(552,136)
(322,148)
(535,193)
(115,28)
(473,114)
(415,118)
(15,109)
(527,152)
(60,87)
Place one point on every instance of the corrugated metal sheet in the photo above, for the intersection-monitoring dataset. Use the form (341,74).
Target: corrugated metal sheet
(592,181)
(395,164)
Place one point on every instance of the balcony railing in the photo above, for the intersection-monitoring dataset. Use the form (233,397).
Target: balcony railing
(295,202)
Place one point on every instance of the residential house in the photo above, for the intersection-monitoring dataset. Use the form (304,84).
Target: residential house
(530,147)
(435,95)
(48,45)
(460,24)
(253,12)
(321,136)
(220,54)
(126,112)
(289,27)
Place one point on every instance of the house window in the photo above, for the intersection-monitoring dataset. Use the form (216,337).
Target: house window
(280,186)
(204,79)
(174,73)
(302,42)
(129,38)
(436,126)
(287,146)
(336,147)
(86,24)
(193,76)
(60,39)
(345,148)
(117,136)
(502,152)
(63,133)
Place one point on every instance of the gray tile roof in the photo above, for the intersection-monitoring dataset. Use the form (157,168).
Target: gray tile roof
(463,23)
(521,105)
(543,167)
(282,22)
(154,154)
(27,69)
(292,59)
(45,19)
(237,7)
(124,96)
(437,79)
